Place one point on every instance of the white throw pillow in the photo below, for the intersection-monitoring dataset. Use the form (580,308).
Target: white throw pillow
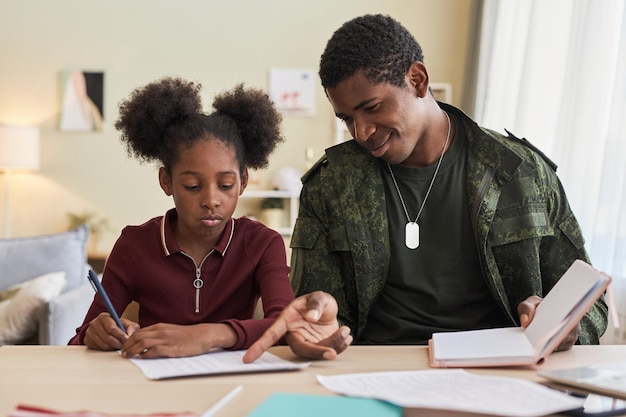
(19,313)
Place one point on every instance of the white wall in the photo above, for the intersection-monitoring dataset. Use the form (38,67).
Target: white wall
(219,43)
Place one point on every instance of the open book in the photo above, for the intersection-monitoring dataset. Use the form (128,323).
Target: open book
(561,310)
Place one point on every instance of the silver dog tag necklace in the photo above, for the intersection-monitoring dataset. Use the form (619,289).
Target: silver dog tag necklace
(412,229)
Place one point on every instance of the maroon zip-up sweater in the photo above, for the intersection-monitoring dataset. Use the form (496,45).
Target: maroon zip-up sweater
(147,265)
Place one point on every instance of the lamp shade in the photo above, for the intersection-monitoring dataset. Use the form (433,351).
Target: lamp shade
(19,147)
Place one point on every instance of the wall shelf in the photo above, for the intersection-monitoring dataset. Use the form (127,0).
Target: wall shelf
(292,204)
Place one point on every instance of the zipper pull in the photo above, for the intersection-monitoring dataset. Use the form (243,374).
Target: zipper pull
(198,283)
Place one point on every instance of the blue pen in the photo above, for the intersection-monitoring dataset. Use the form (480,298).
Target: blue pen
(97,287)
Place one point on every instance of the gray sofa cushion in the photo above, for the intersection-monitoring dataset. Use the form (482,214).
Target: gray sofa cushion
(61,317)
(25,258)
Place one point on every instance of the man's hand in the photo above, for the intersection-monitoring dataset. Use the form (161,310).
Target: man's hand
(310,322)
(526,310)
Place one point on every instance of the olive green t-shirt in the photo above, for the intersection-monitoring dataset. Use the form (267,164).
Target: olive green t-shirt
(439,285)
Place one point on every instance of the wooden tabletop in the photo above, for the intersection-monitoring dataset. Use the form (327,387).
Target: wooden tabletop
(73,378)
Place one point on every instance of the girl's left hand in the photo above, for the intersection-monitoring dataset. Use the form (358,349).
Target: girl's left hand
(175,341)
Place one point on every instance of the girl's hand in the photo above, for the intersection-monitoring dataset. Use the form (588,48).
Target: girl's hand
(103,333)
(174,341)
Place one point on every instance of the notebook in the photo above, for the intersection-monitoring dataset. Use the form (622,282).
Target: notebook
(605,378)
(284,404)
(561,310)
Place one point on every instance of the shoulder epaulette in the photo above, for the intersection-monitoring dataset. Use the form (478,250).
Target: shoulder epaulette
(526,143)
(314,168)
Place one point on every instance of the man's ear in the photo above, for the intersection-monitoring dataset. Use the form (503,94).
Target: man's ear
(244,180)
(417,78)
(165,181)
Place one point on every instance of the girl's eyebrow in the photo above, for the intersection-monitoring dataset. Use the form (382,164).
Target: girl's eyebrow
(228,172)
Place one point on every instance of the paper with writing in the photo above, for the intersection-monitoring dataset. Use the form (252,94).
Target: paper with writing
(454,389)
(213,363)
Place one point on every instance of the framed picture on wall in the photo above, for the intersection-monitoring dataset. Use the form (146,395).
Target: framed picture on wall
(442,92)
(82,101)
(293,91)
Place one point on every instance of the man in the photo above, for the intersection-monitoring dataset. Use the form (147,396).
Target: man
(425,222)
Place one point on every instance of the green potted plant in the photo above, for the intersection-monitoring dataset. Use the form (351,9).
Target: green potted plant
(97,225)
(272,212)
(272,203)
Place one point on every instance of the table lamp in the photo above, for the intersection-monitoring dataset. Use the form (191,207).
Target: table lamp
(19,150)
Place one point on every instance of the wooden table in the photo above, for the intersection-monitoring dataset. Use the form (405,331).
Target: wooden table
(71,378)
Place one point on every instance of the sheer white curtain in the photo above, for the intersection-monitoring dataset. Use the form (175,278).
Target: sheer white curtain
(555,73)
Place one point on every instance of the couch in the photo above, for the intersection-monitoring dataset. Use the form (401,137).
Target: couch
(44,291)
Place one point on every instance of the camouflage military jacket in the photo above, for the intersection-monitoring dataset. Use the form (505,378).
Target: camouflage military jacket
(525,231)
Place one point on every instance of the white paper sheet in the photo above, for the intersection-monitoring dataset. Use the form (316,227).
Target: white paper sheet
(456,390)
(213,363)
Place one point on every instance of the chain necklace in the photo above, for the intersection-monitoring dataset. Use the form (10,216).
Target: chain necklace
(412,229)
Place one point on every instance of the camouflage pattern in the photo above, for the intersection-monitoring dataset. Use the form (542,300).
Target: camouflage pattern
(525,231)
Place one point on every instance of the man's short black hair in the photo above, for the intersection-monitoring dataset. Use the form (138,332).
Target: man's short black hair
(377,44)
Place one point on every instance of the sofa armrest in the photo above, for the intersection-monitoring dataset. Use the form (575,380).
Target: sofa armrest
(61,316)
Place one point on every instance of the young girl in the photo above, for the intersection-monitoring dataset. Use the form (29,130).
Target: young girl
(196,272)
